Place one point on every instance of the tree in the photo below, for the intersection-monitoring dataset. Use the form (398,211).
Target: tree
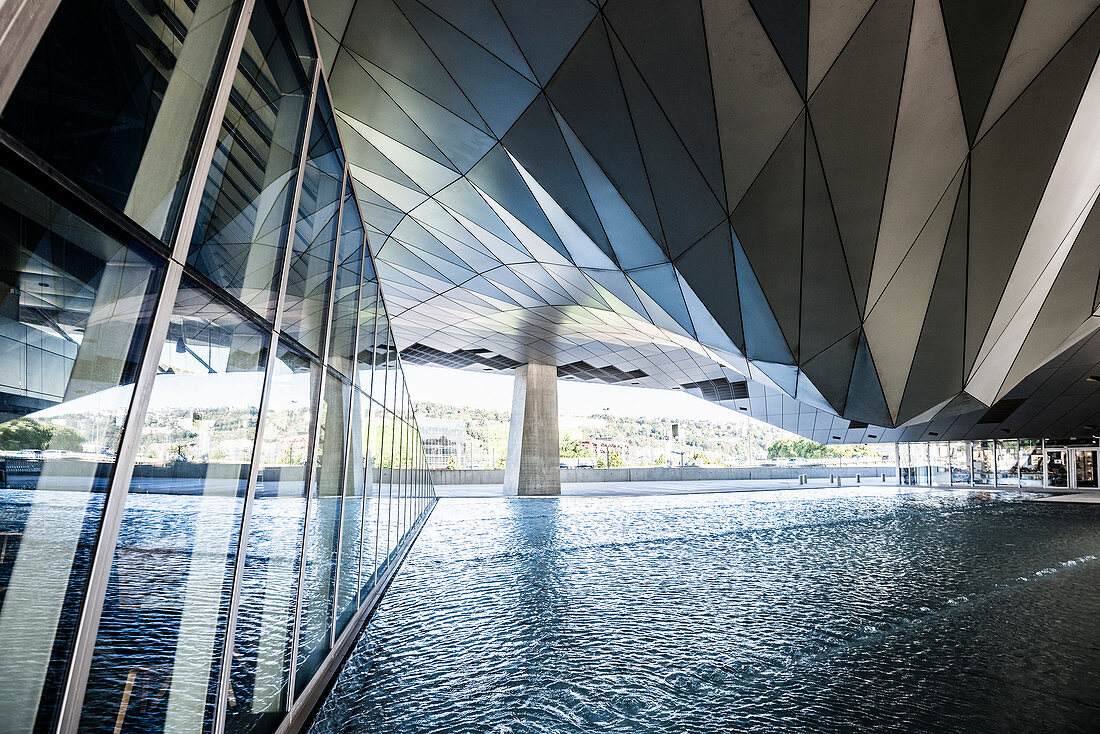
(27,433)
(612,459)
(799,448)
(571,448)
(65,439)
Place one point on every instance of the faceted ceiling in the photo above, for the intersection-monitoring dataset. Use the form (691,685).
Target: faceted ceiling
(856,219)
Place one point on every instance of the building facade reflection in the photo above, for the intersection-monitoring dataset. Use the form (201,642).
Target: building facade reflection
(197,379)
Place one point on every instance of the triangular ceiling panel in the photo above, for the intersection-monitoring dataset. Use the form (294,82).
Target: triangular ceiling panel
(787,23)
(768,225)
(1009,179)
(980,32)
(683,91)
(481,21)
(546,31)
(644,186)
(686,206)
(536,142)
(854,110)
(587,94)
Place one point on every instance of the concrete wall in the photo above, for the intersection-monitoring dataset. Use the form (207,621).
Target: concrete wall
(665,474)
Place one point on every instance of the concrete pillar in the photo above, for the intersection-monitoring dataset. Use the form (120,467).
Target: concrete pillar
(532,466)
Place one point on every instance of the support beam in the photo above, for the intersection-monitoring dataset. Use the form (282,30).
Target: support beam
(533,461)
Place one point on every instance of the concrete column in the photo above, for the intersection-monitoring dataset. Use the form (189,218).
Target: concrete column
(533,448)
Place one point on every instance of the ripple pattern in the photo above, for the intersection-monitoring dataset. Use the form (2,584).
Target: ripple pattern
(795,611)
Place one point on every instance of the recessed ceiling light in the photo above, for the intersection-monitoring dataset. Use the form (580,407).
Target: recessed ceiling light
(1092,378)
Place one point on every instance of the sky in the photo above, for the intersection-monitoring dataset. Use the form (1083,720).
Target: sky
(494,392)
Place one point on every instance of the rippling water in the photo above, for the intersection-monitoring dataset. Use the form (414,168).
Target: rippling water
(821,610)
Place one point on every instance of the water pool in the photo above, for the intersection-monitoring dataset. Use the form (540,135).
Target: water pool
(815,610)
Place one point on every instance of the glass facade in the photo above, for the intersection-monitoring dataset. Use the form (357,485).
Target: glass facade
(1024,463)
(208,458)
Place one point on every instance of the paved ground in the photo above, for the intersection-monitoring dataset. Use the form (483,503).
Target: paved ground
(1082,498)
(620,489)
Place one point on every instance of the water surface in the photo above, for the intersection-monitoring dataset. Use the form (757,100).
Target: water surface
(797,611)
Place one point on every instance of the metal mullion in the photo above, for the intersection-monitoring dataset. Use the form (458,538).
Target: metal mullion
(397,421)
(326,340)
(393,440)
(382,433)
(242,542)
(22,26)
(76,679)
(355,383)
(315,418)
(261,424)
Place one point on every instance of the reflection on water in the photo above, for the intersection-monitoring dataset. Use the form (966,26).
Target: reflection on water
(830,610)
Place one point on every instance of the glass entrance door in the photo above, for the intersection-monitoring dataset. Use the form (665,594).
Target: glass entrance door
(1084,468)
(1057,472)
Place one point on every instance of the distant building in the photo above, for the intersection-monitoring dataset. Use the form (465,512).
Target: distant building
(444,440)
(601,446)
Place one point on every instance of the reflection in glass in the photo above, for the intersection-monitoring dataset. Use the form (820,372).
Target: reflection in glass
(163,623)
(983,461)
(75,306)
(939,455)
(322,530)
(1057,470)
(265,616)
(345,303)
(1031,463)
(960,464)
(351,519)
(244,216)
(1008,463)
(368,413)
(116,94)
(368,312)
(1084,466)
(307,289)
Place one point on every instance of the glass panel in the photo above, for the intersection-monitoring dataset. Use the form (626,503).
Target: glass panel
(368,417)
(322,530)
(919,452)
(1057,471)
(75,306)
(345,305)
(380,355)
(939,453)
(307,290)
(1031,463)
(116,95)
(163,624)
(960,465)
(1008,463)
(378,449)
(269,588)
(983,462)
(367,316)
(1085,468)
(245,213)
(388,506)
(351,521)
